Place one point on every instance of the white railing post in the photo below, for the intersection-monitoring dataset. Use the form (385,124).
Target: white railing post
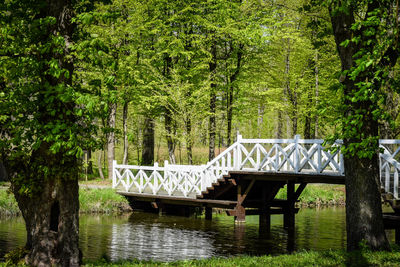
(239,151)
(155,177)
(167,178)
(297,153)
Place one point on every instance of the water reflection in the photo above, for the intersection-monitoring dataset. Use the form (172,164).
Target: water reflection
(167,238)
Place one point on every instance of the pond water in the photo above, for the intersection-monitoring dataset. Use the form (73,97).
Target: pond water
(147,236)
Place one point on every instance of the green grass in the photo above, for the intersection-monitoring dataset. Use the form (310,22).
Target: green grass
(306,258)
(91,201)
(101,201)
(319,194)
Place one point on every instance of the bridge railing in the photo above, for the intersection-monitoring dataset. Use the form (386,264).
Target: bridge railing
(297,156)
(266,155)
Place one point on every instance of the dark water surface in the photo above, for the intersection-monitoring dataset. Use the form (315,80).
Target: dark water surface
(165,238)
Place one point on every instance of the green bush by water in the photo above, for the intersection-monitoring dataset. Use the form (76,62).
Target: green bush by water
(8,204)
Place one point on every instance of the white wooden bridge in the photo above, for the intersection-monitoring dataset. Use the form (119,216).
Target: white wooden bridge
(296,156)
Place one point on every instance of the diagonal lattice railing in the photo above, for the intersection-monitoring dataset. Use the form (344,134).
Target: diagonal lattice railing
(298,156)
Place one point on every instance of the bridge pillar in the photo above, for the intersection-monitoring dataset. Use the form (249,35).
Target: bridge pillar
(289,212)
(208,211)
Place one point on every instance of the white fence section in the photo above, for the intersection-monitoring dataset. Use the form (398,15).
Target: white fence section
(296,156)
(389,163)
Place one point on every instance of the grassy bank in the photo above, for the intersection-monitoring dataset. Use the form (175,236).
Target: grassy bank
(103,200)
(306,258)
(319,195)
(327,258)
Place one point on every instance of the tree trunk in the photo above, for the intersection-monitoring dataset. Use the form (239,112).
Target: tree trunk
(90,162)
(316,132)
(189,140)
(213,100)
(148,141)
(125,127)
(99,164)
(232,79)
(51,209)
(111,138)
(260,119)
(170,136)
(279,125)
(364,222)
(52,223)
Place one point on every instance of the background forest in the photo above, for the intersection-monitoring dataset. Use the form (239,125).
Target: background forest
(176,80)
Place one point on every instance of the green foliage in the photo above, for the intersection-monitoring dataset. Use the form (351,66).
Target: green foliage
(15,257)
(45,125)
(374,46)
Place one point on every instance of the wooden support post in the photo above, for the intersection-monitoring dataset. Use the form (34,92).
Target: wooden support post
(240,215)
(208,213)
(265,212)
(289,216)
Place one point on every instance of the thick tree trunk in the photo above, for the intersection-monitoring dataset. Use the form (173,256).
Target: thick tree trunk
(52,223)
(213,100)
(148,141)
(111,138)
(51,210)
(125,127)
(364,222)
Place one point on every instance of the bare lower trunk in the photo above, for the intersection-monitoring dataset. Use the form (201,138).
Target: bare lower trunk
(148,141)
(363,204)
(51,213)
(189,140)
(212,127)
(125,127)
(170,136)
(111,138)
(99,164)
(89,162)
(52,224)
